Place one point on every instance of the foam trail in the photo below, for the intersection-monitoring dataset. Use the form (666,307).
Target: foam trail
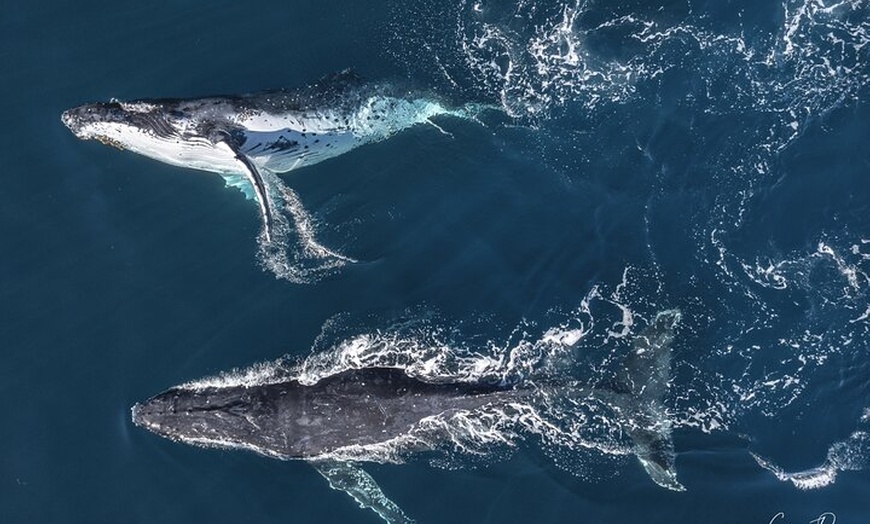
(292,251)
(852,454)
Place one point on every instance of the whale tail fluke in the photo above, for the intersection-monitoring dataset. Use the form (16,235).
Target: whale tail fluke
(637,395)
(641,385)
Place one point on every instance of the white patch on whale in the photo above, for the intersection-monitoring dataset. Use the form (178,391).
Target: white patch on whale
(250,138)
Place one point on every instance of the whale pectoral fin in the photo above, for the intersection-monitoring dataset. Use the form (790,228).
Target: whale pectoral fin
(347,477)
(250,170)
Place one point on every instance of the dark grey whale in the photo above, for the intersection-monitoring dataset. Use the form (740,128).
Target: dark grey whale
(288,420)
(371,407)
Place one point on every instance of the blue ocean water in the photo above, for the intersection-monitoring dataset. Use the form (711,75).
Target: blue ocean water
(705,156)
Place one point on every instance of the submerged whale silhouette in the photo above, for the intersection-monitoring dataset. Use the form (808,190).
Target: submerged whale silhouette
(245,138)
(368,407)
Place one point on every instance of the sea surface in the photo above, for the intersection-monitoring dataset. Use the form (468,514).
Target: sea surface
(707,156)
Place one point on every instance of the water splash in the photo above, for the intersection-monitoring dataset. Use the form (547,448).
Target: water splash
(852,454)
(291,251)
(534,58)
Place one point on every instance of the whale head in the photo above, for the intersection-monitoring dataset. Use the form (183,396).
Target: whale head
(126,125)
(169,130)
(236,417)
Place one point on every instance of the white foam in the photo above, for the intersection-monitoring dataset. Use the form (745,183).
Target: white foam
(563,337)
(856,278)
(207,442)
(256,375)
(851,454)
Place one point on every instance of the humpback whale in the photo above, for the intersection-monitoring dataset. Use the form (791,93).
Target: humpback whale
(245,138)
(289,420)
(343,414)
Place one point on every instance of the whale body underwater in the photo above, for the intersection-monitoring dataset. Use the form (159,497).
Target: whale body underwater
(246,138)
(332,422)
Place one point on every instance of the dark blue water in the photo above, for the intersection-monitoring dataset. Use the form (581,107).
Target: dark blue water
(706,156)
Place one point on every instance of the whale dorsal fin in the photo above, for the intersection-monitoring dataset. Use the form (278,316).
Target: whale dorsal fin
(250,170)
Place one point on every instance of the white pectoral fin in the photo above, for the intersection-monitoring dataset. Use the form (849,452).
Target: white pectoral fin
(347,477)
(252,173)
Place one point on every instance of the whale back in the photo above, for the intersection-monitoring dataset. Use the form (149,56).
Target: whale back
(293,420)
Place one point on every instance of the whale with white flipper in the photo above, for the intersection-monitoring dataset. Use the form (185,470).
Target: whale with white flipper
(246,137)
